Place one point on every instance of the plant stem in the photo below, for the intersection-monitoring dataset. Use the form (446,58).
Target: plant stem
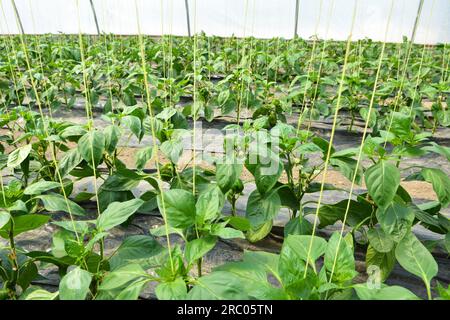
(233,205)
(294,214)
(13,256)
(102,249)
(427,285)
(352,122)
(398,162)
(199,267)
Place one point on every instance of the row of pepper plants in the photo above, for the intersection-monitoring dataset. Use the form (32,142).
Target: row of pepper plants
(42,159)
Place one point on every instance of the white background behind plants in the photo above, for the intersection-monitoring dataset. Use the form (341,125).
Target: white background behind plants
(264,18)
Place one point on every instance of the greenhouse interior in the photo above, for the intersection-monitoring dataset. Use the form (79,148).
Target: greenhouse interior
(224,150)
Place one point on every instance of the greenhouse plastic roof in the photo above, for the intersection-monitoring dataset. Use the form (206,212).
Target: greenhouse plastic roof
(259,18)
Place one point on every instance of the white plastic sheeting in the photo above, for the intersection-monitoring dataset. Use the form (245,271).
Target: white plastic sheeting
(259,18)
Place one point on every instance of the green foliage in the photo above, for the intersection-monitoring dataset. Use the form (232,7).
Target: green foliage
(415,258)
(44,161)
